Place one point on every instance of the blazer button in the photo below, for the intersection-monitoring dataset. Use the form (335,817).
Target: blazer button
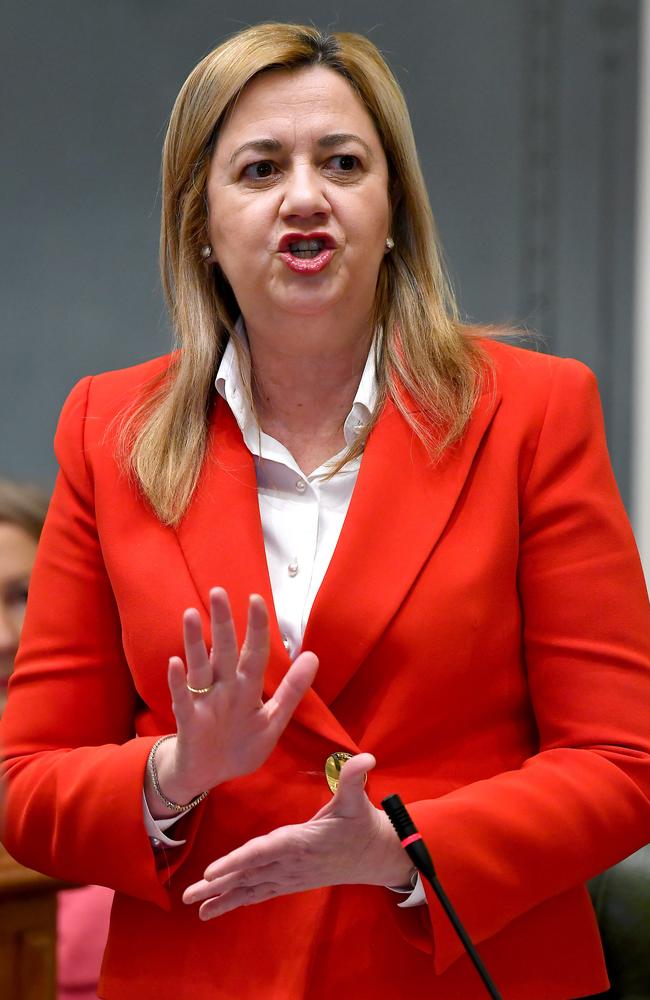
(333,766)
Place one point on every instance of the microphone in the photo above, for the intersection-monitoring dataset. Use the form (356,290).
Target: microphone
(412,842)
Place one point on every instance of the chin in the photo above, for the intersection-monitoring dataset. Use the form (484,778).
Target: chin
(307,310)
(309,302)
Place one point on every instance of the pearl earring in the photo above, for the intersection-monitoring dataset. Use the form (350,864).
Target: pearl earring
(390,243)
(206,251)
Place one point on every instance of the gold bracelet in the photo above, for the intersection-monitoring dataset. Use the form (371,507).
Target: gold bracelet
(153,774)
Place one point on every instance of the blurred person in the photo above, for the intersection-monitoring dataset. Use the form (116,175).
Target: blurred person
(335,521)
(82,920)
(22,512)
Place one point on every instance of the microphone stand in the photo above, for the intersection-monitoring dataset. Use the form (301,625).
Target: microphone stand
(412,842)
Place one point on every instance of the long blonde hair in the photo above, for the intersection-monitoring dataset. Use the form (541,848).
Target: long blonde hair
(424,350)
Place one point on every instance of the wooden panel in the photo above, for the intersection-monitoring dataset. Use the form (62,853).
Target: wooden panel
(27,932)
(28,947)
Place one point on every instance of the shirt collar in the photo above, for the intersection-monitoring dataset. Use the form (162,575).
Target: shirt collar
(230,385)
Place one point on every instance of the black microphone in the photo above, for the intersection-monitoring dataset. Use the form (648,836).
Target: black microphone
(412,842)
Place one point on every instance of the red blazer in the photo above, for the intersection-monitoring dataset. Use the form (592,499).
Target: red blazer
(483,629)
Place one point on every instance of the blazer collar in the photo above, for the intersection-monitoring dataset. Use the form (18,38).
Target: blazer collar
(400,506)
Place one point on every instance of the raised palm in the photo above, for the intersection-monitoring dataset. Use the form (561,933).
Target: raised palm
(229,731)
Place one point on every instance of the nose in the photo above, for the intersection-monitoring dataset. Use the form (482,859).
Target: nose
(304,193)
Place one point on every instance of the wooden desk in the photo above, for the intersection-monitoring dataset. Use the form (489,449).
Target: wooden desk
(27,932)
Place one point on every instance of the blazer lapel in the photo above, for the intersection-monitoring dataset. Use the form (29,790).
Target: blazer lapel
(398,511)
(222,541)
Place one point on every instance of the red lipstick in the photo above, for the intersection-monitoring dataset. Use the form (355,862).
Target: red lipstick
(307,253)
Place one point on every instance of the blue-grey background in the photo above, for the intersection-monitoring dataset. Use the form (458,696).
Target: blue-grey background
(525,116)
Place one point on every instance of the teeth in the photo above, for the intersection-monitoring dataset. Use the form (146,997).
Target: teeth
(306,246)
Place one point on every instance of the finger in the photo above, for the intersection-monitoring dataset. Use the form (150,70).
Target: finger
(256,853)
(350,793)
(182,700)
(199,669)
(275,872)
(246,896)
(225,651)
(293,687)
(255,651)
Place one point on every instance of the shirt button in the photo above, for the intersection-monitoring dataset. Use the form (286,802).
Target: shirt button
(301,486)
(285,642)
(292,568)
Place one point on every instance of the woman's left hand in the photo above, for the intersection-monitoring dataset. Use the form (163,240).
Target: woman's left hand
(348,841)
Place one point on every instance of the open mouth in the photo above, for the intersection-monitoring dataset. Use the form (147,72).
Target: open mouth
(307,253)
(306,245)
(306,249)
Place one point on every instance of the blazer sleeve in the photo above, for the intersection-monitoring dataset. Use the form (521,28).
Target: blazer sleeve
(74,767)
(507,844)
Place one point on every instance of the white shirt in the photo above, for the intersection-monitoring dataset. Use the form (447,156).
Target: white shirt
(302,516)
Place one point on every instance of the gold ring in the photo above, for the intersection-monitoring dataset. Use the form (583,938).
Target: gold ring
(199,690)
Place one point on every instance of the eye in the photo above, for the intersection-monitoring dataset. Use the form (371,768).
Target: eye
(259,171)
(345,162)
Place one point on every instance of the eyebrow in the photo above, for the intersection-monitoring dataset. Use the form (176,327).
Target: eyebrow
(259,146)
(325,142)
(340,138)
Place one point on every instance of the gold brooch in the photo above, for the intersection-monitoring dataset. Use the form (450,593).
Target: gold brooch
(333,766)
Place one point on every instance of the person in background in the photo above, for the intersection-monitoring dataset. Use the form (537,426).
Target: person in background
(22,512)
(82,923)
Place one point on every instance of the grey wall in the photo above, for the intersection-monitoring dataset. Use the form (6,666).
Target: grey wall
(524,112)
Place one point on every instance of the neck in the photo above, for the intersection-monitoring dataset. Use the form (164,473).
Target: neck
(304,384)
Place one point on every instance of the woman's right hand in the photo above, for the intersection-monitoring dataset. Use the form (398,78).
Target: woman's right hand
(229,731)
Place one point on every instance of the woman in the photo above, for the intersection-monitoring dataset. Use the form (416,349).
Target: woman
(457,601)
(82,921)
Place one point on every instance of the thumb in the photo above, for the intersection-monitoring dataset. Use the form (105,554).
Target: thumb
(350,792)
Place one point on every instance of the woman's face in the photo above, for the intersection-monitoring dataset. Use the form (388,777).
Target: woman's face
(17,552)
(298,198)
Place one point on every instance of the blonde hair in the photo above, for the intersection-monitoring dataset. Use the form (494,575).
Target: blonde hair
(424,350)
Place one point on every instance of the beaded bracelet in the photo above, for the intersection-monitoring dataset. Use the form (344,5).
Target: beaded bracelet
(153,773)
